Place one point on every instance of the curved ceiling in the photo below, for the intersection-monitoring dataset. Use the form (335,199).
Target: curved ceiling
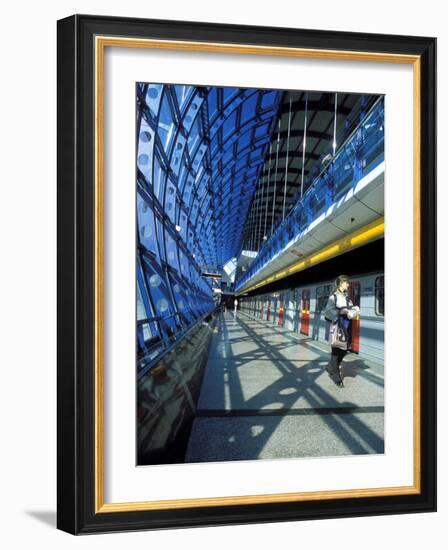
(199,155)
(311,126)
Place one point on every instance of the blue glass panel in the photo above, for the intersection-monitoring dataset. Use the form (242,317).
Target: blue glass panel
(178,150)
(182,177)
(229,126)
(183,224)
(171,251)
(160,239)
(229,94)
(194,212)
(170,201)
(262,131)
(160,296)
(194,137)
(143,162)
(144,309)
(256,155)
(182,94)
(183,306)
(199,155)
(202,185)
(145,150)
(158,178)
(248,110)
(212,103)
(187,194)
(183,260)
(242,163)
(145,217)
(244,147)
(153,96)
(214,146)
(266,116)
(192,112)
(165,128)
(217,125)
(269,99)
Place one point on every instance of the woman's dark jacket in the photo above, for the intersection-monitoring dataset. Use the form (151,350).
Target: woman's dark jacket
(337,301)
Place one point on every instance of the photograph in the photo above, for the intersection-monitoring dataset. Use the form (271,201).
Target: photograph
(259,273)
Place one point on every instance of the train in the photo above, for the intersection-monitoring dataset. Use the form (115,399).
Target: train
(301,309)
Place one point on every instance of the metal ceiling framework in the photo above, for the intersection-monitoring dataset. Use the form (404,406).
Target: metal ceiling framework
(310,128)
(358,160)
(204,150)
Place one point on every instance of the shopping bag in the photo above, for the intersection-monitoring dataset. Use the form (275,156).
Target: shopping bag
(338,336)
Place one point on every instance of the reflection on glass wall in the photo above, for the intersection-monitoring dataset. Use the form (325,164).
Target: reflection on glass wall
(199,154)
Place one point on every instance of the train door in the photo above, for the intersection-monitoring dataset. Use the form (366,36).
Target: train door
(289,310)
(305,312)
(355,294)
(281,310)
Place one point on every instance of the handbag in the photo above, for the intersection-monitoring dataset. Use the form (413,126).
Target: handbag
(338,336)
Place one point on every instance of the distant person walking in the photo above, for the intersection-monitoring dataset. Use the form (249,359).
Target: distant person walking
(235,306)
(339,312)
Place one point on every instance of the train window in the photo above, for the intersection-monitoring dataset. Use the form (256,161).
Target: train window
(355,292)
(322,294)
(379,295)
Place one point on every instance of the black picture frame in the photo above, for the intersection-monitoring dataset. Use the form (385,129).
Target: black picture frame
(77,509)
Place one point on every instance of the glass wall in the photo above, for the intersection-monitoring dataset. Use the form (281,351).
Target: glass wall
(199,153)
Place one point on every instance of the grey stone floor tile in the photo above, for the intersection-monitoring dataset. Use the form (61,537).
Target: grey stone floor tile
(265,394)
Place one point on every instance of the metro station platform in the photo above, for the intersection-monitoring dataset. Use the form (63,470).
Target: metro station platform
(265,395)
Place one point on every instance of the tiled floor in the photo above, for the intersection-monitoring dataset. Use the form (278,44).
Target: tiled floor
(266,394)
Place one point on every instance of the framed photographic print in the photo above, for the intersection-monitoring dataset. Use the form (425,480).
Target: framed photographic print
(246,274)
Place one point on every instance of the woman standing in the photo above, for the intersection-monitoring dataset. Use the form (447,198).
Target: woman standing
(340,307)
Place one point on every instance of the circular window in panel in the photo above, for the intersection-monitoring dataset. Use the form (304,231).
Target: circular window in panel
(155,281)
(162,305)
(145,137)
(153,93)
(143,160)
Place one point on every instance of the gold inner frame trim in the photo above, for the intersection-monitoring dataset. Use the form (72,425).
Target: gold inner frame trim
(101,42)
